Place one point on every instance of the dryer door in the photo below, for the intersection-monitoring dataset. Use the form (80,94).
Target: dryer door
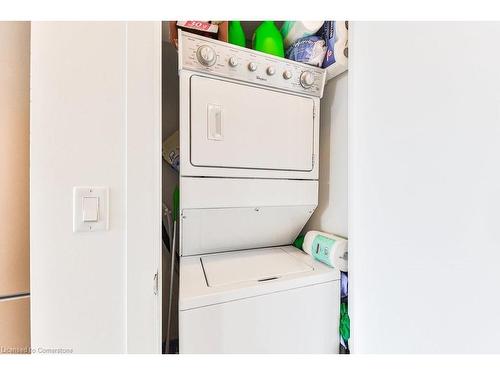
(239,126)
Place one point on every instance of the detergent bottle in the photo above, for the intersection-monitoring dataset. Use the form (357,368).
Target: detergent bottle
(236,35)
(327,248)
(267,38)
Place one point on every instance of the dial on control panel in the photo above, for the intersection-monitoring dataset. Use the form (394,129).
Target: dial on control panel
(233,62)
(252,67)
(206,55)
(287,74)
(307,79)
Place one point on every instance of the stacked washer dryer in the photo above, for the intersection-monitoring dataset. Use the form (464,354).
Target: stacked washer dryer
(249,138)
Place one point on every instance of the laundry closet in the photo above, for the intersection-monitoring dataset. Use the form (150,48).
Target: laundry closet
(255,154)
(265,162)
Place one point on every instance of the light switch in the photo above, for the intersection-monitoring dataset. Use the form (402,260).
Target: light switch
(90,209)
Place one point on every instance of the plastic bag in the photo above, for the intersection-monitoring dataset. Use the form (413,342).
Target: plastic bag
(309,50)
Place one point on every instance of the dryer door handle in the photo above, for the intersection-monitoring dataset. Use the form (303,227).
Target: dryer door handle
(214,122)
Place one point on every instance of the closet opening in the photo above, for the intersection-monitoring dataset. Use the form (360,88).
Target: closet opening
(254,157)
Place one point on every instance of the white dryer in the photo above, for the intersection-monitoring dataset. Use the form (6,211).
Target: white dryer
(249,139)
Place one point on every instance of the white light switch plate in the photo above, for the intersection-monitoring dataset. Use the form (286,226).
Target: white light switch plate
(102,195)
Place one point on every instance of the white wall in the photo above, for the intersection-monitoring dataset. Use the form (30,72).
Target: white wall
(95,120)
(424,146)
(331,214)
(143,186)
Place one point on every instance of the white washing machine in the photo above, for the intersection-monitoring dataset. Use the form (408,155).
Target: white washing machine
(249,139)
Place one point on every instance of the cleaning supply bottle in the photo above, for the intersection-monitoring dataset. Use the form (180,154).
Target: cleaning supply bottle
(267,38)
(327,248)
(236,35)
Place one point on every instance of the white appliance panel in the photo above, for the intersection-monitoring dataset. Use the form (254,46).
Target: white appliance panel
(239,126)
(187,168)
(212,230)
(301,320)
(205,192)
(247,65)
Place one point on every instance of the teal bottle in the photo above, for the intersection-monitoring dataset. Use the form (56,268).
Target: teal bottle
(267,38)
(236,35)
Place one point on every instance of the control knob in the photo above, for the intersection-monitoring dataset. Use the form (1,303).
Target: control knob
(306,79)
(233,62)
(206,55)
(252,67)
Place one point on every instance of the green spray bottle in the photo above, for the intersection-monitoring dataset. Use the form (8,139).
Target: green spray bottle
(236,35)
(267,38)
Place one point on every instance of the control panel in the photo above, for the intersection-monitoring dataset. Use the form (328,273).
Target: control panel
(222,59)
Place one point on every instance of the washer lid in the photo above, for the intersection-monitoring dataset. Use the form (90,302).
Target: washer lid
(224,277)
(251,265)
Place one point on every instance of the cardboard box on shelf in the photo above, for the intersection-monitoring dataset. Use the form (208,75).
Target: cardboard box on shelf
(202,27)
(212,29)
